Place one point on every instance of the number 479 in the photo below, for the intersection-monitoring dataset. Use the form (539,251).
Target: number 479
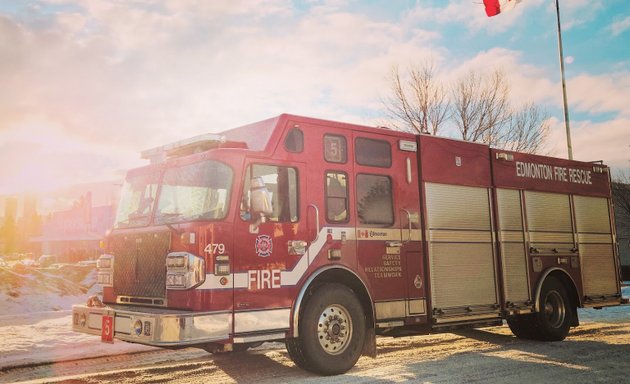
(215,248)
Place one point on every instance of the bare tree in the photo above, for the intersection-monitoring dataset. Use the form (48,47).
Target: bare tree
(621,194)
(526,130)
(621,200)
(480,106)
(419,101)
(477,105)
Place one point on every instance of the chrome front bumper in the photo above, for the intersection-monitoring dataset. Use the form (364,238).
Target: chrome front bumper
(159,327)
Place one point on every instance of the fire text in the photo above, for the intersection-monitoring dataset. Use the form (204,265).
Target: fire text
(263,279)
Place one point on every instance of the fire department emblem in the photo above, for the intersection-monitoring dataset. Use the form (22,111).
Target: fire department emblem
(264,245)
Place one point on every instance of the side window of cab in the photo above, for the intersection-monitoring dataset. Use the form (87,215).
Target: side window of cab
(374,200)
(337,197)
(294,141)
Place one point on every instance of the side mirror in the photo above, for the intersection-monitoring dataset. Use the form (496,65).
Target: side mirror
(260,203)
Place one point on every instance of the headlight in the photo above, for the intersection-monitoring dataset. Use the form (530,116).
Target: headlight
(176,280)
(104,278)
(184,270)
(105,270)
(176,261)
(105,262)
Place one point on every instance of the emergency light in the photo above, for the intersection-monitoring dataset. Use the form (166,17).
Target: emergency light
(184,147)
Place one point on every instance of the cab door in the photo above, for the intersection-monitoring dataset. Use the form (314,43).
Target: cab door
(388,232)
(268,246)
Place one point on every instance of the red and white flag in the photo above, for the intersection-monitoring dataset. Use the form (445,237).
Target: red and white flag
(494,7)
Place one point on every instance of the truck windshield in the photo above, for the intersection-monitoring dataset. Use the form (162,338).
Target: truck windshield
(197,191)
(136,200)
(194,192)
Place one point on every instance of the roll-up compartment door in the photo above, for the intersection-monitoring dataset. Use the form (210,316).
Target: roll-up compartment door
(597,250)
(461,253)
(512,244)
(549,221)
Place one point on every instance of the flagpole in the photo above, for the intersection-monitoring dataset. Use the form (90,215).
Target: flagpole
(564,85)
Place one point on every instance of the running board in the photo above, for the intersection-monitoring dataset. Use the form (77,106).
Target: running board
(257,338)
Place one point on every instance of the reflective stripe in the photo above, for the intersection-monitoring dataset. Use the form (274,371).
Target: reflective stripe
(288,278)
(291,278)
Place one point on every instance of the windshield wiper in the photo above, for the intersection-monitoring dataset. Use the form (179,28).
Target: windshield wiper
(168,214)
(138,216)
(172,228)
(163,218)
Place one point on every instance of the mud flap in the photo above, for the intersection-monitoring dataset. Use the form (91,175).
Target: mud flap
(576,321)
(369,346)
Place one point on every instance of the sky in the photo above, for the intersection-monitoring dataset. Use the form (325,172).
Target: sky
(88,84)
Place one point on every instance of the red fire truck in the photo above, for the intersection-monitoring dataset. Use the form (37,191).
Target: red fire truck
(323,235)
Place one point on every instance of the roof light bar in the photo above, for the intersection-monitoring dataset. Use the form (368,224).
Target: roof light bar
(184,147)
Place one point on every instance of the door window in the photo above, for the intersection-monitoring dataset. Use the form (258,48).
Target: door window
(282,186)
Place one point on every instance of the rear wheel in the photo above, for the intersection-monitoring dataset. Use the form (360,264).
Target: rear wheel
(521,326)
(553,320)
(331,331)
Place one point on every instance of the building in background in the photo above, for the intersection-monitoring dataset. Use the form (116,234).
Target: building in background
(29,225)
(8,227)
(68,223)
(75,234)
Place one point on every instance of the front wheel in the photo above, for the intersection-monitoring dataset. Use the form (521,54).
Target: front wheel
(331,331)
(555,315)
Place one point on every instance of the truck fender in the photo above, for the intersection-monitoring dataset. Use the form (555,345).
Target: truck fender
(309,282)
(542,279)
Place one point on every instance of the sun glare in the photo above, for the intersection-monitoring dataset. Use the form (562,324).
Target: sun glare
(42,157)
(35,177)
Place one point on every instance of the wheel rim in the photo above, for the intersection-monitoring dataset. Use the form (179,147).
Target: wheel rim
(554,309)
(334,329)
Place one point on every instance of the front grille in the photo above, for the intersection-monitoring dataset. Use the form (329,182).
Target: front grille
(140,264)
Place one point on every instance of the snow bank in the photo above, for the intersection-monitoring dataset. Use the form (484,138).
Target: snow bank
(25,290)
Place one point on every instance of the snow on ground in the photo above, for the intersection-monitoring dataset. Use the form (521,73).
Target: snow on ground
(40,337)
(36,317)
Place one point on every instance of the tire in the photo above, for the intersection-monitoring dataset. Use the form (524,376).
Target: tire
(522,326)
(295,352)
(553,321)
(331,331)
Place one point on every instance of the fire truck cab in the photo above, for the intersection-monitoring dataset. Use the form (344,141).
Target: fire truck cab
(324,234)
